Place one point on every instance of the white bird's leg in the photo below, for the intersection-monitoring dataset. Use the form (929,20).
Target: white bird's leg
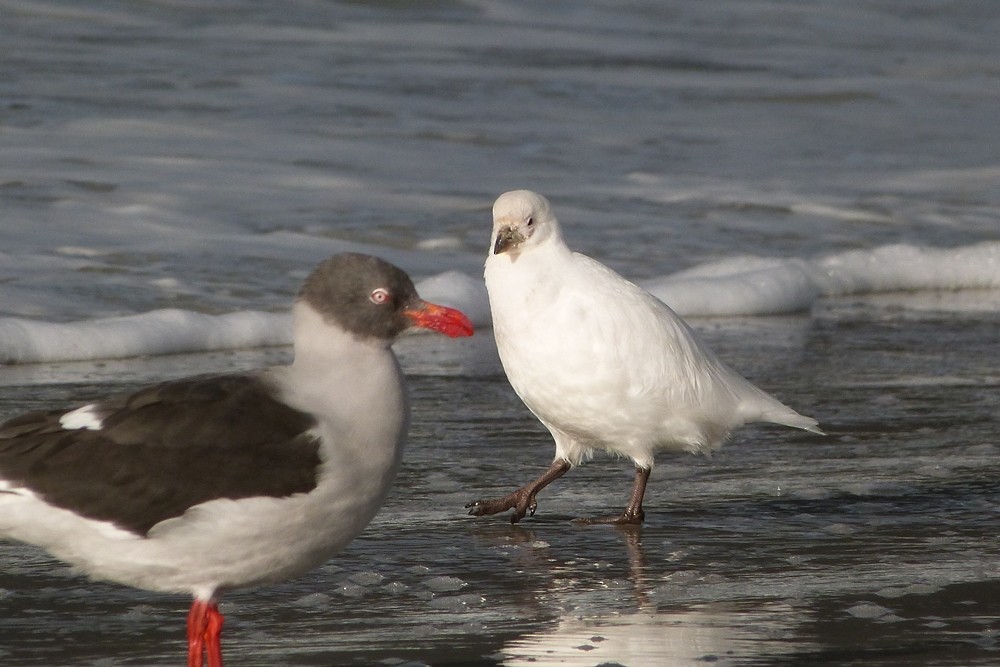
(633,513)
(522,500)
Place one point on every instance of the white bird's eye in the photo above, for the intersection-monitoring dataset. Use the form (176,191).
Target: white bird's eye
(379,296)
(530,222)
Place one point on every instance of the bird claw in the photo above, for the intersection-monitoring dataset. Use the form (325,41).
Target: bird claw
(520,501)
(486,507)
(526,506)
(479,508)
(630,517)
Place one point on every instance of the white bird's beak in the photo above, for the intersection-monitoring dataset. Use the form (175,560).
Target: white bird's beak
(508,237)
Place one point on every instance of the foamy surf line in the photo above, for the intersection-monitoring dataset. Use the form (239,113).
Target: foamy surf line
(169,331)
(763,286)
(733,287)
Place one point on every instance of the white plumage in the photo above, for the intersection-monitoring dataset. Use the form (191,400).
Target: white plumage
(603,364)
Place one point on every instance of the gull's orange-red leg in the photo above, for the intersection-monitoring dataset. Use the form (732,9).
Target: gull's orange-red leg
(204,625)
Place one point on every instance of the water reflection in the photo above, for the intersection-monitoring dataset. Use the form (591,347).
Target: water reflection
(647,639)
(638,633)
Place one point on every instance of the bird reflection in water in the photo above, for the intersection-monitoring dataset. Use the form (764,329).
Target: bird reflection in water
(607,611)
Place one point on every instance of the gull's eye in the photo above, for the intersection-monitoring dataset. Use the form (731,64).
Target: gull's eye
(530,222)
(379,296)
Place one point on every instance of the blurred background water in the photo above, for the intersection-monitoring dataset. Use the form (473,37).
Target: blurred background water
(201,158)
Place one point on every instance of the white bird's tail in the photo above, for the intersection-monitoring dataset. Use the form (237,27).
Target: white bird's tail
(789,417)
(762,407)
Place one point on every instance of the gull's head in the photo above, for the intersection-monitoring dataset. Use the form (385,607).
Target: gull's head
(373,300)
(521,219)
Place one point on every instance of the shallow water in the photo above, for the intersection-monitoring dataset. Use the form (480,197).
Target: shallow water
(874,545)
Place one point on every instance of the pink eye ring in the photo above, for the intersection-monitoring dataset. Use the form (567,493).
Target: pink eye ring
(379,296)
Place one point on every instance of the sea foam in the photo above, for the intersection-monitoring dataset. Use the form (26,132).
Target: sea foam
(166,331)
(737,286)
(763,286)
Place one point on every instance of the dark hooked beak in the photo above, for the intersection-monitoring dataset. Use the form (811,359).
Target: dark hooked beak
(507,237)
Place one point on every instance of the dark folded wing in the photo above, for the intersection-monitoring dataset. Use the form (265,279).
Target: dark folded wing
(163,449)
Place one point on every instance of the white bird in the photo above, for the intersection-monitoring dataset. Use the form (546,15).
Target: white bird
(212,483)
(603,364)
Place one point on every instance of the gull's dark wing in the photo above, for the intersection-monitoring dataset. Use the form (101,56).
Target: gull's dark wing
(150,455)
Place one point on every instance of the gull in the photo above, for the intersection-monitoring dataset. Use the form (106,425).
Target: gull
(604,365)
(212,483)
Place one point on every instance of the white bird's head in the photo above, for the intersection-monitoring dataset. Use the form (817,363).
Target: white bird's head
(521,219)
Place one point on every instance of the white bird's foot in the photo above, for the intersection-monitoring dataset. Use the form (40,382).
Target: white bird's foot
(632,516)
(521,501)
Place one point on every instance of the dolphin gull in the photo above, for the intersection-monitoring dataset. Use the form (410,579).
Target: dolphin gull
(212,483)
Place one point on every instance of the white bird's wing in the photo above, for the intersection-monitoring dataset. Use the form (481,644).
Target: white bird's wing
(676,361)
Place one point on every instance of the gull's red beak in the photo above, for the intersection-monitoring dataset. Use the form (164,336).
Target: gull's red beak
(442,319)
